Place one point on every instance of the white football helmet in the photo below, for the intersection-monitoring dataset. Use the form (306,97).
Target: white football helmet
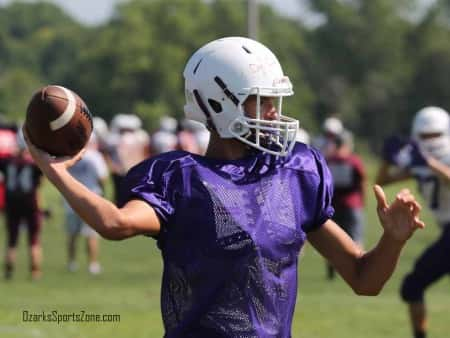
(128,122)
(432,120)
(332,125)
(100,128)
(218,79)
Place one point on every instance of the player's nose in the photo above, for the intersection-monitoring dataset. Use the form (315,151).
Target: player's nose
(270,112)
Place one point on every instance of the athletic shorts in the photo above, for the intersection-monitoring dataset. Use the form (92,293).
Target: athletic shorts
(75,225)
(32,222)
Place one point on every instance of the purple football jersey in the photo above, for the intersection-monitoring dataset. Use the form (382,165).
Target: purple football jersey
(231,235)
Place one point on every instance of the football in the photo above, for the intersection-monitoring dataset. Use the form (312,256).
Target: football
(58,121)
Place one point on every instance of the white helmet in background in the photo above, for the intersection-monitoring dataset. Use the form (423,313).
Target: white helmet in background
(168,123)
(163,141)
(428,121)
(129,122)
(218,79)
(332,125)
(100,128)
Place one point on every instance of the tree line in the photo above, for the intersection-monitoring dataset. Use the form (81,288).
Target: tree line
(371,63)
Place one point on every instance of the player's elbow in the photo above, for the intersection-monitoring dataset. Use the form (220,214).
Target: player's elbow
(115,229)
(112,235)
(366,290)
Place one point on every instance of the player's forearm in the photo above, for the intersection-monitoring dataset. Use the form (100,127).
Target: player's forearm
(375,267)
(439,168)
(99,213)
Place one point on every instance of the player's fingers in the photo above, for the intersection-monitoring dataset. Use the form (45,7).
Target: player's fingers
(405,198)
(381,197)
(404,191)
(418,223)
(415,208)
(80,155)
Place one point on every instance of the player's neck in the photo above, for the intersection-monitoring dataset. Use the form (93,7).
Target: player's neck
(226,149)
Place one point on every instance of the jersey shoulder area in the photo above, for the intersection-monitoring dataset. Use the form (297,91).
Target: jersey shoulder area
(305,158)
(165,161)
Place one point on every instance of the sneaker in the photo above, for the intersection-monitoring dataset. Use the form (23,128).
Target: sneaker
(72,266)
(95,268)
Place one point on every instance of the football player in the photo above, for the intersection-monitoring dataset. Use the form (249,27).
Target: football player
(22,180)
(427,159)
(350,180)
(8,146)
(230,224)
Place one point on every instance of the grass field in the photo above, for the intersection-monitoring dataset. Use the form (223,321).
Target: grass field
(130,288)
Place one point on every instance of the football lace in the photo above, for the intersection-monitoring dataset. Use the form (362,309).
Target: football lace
(87,114)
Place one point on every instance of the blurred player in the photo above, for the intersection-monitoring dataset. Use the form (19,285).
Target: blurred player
(163,141)
(91,171)
(349,179)
(101,131)
(168,124)
(231,224)
(186,136)
(326,142)
(8,146)
(128,144)
(22,179)
(427,159)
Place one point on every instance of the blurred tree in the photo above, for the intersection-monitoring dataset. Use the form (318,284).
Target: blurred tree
(140,54)
(430,46)
(360,66)
(373,63)
(37,43)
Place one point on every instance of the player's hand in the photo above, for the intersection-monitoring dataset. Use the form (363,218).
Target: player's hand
(401,218)
(46,162)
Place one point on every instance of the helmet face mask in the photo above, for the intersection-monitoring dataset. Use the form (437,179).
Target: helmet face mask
(220,77)
(431,130)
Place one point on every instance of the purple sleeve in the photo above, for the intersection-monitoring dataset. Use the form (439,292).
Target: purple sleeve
(324,193)
(391,147)
(148,181)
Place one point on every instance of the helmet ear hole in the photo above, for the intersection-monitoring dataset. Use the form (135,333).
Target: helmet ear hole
(215,105)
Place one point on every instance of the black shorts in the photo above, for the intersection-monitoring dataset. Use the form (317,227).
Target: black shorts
(32,221)
(433,264)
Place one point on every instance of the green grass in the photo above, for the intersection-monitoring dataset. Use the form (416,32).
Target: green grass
(130,287)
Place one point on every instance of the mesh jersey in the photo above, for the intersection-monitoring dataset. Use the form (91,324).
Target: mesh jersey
(231,234)
(435,191)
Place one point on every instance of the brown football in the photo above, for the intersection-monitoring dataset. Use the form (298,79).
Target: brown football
(58,121)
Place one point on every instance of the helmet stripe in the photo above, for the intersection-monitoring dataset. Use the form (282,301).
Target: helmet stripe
(227,92)
(205,110)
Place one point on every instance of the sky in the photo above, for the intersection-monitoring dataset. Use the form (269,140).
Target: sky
(93,12)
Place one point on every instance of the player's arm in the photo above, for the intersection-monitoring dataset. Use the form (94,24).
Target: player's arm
(439,168)
(111,222)
(134,218)
(388,173)
(367,272)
